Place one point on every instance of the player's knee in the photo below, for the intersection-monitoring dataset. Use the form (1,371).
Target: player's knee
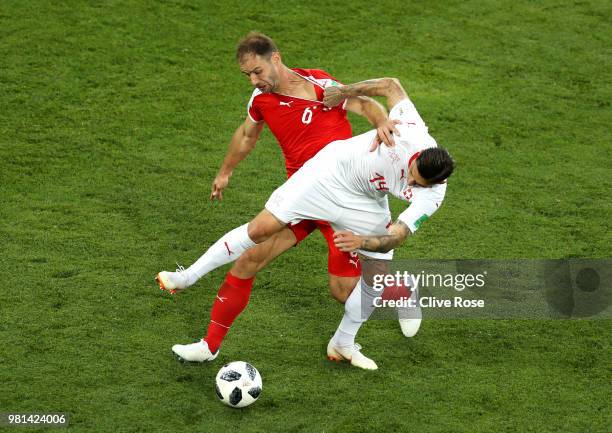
(247,265)
(262,227)
(337,294)
(257,231)
(342,287)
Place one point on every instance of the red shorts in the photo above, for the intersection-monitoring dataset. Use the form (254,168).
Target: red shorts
(339,263)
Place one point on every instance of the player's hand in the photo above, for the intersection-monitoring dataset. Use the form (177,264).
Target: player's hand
(385,134)
(333,96)
(218,185)
(347,241)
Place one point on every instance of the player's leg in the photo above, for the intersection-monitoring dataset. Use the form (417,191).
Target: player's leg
(233,296)
(299,198)
(410,318)
(227,249)
(360,304)
(357,309)
(341,287)
(258,257)
(344,268)
(234,293)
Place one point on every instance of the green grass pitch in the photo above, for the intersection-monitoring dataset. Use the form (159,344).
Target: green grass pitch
(115,116)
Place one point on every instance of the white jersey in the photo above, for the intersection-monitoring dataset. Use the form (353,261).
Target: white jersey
(347,185)
(385,171)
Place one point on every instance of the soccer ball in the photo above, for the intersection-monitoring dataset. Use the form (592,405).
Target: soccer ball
(238,384)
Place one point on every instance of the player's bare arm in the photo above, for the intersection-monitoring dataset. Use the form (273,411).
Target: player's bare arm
(242,143)
(377,115)
(390,88)
(348,241)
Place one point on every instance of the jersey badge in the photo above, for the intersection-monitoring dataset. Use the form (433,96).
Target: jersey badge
(393,155)
(407,193)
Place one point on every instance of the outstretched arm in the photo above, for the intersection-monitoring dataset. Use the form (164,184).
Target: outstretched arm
(390,88)
(347,241)
(243,142)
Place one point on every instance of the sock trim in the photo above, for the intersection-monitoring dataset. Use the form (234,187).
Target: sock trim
(217,323)
(239,282)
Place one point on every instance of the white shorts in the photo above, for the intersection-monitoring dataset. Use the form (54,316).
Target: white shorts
(313,194)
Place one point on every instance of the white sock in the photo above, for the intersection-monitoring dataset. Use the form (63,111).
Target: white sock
(227,249)
(357,309)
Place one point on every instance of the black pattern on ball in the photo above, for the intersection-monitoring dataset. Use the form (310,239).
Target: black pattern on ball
(255,391)
(231,376)
(251,370)
(218,391)
(235,396)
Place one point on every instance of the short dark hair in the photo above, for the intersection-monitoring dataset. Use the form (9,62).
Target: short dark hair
(435,164)
(256,43)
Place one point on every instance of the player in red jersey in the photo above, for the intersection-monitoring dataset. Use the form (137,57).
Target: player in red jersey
(289,101)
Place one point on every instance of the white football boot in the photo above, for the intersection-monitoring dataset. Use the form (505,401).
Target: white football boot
(195,352)
(410,327)
(351,354)
(173,282)
(410,318)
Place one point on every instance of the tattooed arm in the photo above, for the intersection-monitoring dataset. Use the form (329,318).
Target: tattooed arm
(390,88)
(347,241)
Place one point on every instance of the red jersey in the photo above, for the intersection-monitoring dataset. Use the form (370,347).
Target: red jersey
(301,126)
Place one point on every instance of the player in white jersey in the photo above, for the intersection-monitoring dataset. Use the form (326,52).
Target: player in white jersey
(347,185)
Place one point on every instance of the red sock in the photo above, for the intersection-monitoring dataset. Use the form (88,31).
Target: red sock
(232,298)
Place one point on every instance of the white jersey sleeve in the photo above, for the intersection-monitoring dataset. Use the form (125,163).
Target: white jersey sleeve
(413,133)
(424,202)
(405,111)
(252,111)
(414,137)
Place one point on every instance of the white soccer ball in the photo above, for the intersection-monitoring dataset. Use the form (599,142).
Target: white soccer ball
(238,384)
